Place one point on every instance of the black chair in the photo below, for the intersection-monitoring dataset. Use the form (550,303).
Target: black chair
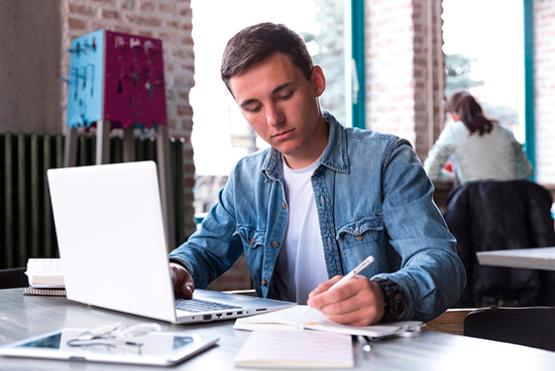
(495,215)
(13,278)
(533,326)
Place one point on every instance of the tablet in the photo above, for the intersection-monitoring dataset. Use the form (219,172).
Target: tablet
(153,348)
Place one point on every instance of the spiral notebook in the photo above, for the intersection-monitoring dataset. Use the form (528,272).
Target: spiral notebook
(43,292)
(45,278)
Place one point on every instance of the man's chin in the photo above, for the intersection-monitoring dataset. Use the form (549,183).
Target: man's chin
(284,148)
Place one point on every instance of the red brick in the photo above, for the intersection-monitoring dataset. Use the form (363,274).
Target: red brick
(180,53)
(123,29)
(167,8)
(128,4)
(148,6)
(188,125)
(98,24)
(187,41)
(186,139)
(111,14)
(76,24)
(81,9)
(188,168)
(184,110)
(189,65)
(182,80)
(183,95)
(166,37)
(144,21)
(105,2)
(172,24)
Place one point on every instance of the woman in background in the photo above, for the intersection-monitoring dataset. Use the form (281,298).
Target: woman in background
(480,148)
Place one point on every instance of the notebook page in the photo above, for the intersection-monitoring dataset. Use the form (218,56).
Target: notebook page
(296,349)
(294,318)
(374,331)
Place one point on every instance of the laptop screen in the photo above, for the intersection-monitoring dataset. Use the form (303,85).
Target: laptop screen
(110,234)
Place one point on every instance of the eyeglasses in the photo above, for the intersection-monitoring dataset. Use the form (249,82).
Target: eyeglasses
(114,335)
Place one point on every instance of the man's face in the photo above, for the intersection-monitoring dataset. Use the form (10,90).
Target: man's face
(281,105)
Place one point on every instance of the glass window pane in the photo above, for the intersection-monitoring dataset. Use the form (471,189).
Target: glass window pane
(221,136)
(484,53)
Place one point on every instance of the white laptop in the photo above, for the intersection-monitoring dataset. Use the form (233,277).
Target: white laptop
(112,245)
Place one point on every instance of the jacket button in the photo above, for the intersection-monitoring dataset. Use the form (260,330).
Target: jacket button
(275,244)
(358,237)
(284,205)
(264,282)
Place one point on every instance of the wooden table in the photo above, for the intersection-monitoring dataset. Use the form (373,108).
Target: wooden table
(537,258)
(23,316)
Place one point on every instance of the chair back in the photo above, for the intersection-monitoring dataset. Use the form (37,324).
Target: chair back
(531,326)
(13,278)
(496,215)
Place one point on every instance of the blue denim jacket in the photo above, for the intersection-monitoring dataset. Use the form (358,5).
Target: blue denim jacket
(373,198)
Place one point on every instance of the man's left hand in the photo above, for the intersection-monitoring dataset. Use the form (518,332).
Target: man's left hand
(357,302)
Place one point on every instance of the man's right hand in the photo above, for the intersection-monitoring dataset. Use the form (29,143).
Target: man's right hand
(183,283)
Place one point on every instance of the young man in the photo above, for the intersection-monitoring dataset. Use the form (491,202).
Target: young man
(321,200)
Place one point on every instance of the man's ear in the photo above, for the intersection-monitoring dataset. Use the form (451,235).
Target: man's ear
(318,80)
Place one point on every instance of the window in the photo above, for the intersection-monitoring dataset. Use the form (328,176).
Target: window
(220,134)
(484,54)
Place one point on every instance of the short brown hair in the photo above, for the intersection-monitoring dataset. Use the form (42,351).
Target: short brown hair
(256,43)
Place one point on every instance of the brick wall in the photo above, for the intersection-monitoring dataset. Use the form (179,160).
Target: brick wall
(389,70)
(404,66)
(544,73)
(168,20)
(428,74)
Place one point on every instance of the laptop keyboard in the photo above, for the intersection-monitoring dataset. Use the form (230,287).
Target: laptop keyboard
(195,305)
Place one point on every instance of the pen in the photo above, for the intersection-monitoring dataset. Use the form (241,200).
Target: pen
(359,268)
(364,344)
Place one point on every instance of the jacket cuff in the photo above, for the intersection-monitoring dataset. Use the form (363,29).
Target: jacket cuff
(394,299)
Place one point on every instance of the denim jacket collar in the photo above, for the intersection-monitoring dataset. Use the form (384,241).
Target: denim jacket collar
(335,154)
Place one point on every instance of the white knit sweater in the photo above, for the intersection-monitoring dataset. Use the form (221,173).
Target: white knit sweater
(495,156)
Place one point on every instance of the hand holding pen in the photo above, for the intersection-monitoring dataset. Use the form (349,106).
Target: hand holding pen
(351,299)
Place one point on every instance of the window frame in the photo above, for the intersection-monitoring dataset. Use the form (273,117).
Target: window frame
(529,103)
(357,57)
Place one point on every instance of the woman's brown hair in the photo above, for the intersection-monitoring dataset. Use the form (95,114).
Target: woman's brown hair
(470,113)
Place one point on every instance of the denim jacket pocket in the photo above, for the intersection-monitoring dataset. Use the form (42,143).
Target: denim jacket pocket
(251,238)
(361,230)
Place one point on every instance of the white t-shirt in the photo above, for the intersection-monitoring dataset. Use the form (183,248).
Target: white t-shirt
(301,265)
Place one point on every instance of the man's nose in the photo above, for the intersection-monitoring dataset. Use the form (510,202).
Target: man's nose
(274,116)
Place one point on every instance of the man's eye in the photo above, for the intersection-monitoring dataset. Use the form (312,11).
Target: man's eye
(285,95)
(253,108)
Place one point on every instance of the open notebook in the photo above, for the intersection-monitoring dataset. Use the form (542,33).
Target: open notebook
(297,317)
